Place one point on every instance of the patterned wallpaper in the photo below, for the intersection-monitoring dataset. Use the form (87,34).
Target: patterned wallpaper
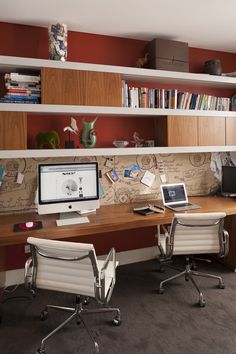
(120,177)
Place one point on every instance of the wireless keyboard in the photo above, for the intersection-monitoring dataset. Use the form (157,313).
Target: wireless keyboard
(72,221)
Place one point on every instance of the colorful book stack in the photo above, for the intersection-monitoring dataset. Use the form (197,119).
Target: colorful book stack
(144,97)
(22,88)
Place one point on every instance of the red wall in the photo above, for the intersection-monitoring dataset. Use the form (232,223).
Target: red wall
(28,41)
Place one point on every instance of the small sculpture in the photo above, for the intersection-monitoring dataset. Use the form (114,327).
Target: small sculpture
(141,62)
(88,136)
(49,140)
(137,141)
(71,129)
(58,41)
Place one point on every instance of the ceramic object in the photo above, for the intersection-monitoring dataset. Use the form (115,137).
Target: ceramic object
(213,67)
(120,143)
(88,137)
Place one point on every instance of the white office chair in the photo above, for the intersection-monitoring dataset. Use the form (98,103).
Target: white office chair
(72,268)
(194,233)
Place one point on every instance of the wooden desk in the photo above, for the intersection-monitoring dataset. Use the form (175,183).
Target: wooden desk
(107,219)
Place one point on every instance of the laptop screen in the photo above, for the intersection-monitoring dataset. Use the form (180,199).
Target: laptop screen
(173,193)
(228,179)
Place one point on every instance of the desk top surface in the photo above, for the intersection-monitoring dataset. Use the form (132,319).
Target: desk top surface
(107,218)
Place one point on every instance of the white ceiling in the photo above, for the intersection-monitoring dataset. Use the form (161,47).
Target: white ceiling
(209,24)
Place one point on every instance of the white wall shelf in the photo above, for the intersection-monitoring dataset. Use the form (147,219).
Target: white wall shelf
(9,154)
(20,64)
(10,63)
(107,111)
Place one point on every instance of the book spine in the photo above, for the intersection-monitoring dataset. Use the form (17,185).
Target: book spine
(20,77)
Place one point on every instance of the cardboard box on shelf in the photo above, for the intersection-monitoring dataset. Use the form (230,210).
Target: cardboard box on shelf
(166,54)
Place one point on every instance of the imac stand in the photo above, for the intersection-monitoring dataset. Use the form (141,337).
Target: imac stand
(71,218)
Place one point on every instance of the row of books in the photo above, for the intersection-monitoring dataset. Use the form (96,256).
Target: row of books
(21,88)
(144,97)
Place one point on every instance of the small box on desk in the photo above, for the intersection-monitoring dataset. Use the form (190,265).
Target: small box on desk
(167,55)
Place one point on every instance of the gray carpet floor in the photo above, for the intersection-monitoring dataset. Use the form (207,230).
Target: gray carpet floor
(171,323)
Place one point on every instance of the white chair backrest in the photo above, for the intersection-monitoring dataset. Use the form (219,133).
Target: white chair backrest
(197,233)
(73,276)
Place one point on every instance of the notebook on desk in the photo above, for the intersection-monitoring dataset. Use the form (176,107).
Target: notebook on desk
(174,197)
(228,184)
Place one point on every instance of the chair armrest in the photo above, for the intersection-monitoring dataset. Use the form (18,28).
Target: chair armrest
(29,274)
(108,276)
(225,241)
(111,257)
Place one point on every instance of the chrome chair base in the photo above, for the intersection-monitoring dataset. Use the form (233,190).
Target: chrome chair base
(77,313)
(188,273)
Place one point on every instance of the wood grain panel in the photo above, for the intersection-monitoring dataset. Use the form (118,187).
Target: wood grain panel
(74,87)
(230,226)
(182,131)
(230,131)
(13,130)
(2,270)
(108,218)
(211,131)
(160,127)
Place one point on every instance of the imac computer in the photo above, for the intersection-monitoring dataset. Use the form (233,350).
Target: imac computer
(69,189)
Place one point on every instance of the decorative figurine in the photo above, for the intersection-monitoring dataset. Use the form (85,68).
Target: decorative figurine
(58,42)
(48,140)
(69,144)
(137,141)
(141,62)
(88,136)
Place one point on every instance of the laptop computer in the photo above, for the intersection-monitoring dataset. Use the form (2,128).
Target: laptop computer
(228,183)
(174,197)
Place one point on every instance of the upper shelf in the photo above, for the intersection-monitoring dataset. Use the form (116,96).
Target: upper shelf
(9,63)
(108,111)
(43,153)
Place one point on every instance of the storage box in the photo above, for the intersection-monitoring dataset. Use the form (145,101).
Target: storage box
(167,55)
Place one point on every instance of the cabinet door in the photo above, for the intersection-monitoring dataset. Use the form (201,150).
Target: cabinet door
(78,87)
(230,226)
(182,131)
(230,131)
(211,131)
(13,130)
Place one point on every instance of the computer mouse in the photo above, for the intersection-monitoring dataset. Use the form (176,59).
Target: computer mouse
(29,224)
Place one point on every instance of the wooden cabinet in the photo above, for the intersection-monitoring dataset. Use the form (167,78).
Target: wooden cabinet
(13,130)
(76,87)
(211,131)
(230,131)
(176,131)
(190,131)
(230,226)
(85,89)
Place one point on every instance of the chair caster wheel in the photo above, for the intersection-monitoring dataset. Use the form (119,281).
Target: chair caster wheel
(96,348)
(221,286)
(194,267)
(116,321)
(161,269)
(44,315)
(39,351)
(86,301)
(161,291)
(202,301)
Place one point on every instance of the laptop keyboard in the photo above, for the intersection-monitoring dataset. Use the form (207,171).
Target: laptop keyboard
(180,205)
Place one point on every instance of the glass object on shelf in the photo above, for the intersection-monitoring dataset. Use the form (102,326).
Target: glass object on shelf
(88,136)
(137,141)
(120,143)
(58,41)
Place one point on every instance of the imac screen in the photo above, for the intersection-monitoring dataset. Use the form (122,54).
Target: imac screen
(66,187)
